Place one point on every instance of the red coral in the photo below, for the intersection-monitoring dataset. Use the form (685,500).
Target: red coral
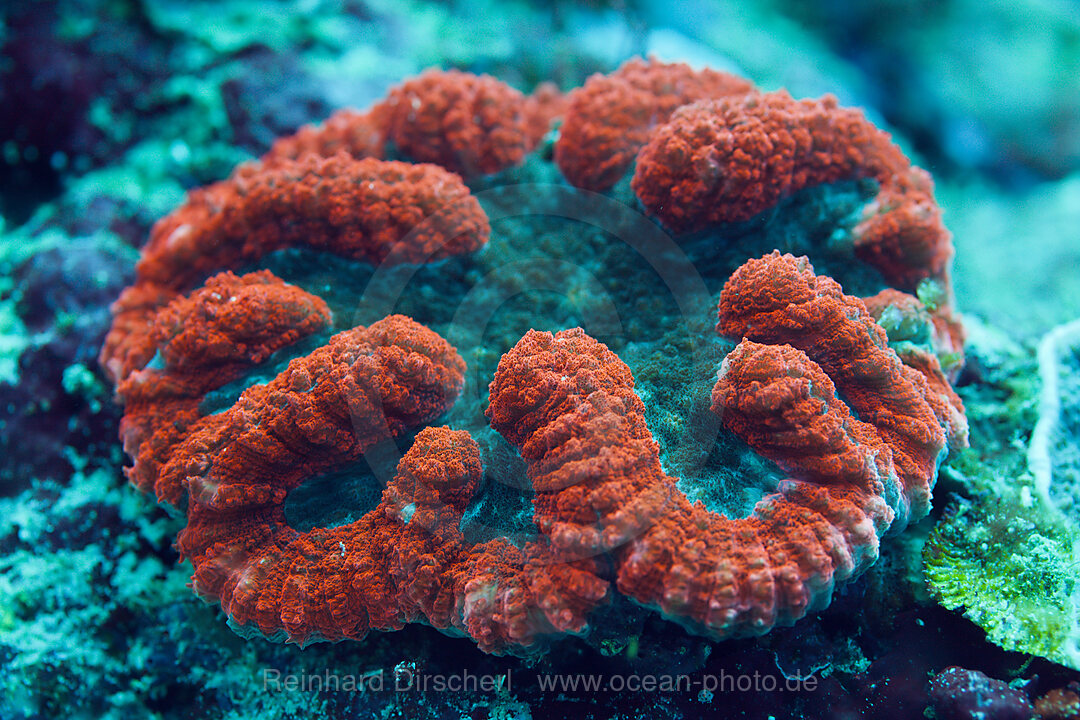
(205,341)
(128,345)
(231,322)
(380,571)
(779,300)
(605,508)
(906,312)
(917,334)
(471,124)
(612,116)
(358,134)
(468,124)
(323,410)
(372,210)
(568,403)
(726,160)
(785,407)
(901,233)
(366,385)
(593,465)
(404,561)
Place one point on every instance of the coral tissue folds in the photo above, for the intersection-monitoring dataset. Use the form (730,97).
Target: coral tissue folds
(812,384)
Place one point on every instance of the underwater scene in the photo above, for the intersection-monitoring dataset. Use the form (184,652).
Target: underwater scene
(520,360)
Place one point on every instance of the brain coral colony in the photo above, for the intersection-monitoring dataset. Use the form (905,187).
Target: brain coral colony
(531,369)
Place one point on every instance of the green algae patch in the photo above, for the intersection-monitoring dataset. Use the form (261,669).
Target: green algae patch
(999,554)
(1012,573)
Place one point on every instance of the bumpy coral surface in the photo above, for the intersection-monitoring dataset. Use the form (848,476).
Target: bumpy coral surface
(471,124)
(912,326)
(610,117)
(814,385)
(930,342)
(780,300)
(325,410)
(901,233)
(359,134)
(205,341)
(568,403)
(727,160)
(366,385)
(785,407)
(372,210)
(404,561)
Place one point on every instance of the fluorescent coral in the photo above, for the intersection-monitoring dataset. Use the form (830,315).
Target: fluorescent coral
(779,300)
(567,402)
(373,210)
(727,160)
(610,117)
(814,386)
(456,563)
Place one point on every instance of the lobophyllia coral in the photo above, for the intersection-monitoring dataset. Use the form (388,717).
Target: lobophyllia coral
(610,117)
(814,385)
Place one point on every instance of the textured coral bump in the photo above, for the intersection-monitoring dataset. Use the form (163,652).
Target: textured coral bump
(726,160)
(901,232)
(568,403)
(371,210)
(610,117)
(205,341)
(779,300)
(469,124)
(324,410)
(406,560)
(785,407)
(358,134)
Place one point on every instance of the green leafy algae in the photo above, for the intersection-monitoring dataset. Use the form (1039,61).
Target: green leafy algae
(999,554)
